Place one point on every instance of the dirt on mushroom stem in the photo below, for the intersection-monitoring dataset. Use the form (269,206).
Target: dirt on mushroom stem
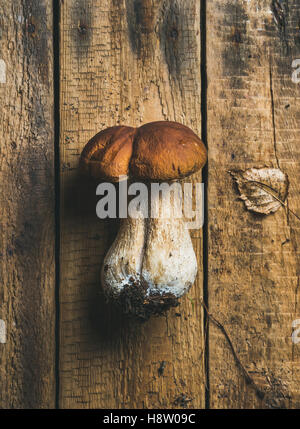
(133,301)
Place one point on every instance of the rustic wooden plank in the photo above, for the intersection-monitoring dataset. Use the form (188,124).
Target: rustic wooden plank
(27,278)
(123,62)
(253,275)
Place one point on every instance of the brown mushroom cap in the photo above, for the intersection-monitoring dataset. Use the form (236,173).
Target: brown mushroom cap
(165,151)
(158,151)
(108,153)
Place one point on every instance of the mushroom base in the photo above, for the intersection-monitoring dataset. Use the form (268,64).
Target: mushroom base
(136,301)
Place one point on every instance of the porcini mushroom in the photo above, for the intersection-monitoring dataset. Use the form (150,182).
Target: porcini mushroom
(151,263)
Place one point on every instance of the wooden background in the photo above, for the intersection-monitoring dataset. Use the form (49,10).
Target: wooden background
(74,67)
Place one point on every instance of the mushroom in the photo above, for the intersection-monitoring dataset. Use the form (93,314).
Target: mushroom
(151,263)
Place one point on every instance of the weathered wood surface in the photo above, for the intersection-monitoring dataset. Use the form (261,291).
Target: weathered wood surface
(27,205)
(123,62)
(131,62)
(253,272)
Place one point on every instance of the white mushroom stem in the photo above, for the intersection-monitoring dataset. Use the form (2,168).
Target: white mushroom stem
(155,251)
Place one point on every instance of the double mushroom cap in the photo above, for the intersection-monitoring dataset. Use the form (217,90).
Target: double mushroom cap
(159,150)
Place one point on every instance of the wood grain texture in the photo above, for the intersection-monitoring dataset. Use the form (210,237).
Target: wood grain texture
(253,275)
(123,62)
(27,205)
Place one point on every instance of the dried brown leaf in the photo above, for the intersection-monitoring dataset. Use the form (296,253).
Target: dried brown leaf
(264,190)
